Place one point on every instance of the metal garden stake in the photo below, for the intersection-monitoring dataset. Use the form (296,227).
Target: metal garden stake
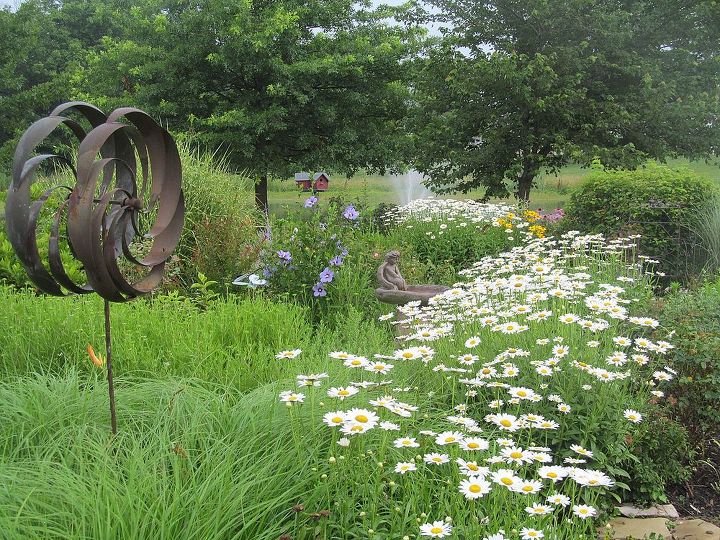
(127,174)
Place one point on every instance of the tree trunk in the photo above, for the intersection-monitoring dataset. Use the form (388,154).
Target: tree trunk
(261,194)
(524,184)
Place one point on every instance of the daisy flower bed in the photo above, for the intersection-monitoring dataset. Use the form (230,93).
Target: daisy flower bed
(505,413)
(448,231)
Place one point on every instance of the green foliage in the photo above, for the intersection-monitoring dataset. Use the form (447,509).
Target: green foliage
(695,317)
(281,86)
(43,43)
(166,335)
(307,251)
(655,201)
(659,456)
(515,88)
(220,238)
(452,246)
(189,462)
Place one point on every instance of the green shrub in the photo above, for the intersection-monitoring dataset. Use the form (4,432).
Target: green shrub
(220,238)
(455,247)
(656,201)
(695,317)
(658,456)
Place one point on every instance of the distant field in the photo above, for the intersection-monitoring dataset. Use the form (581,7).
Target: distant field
(552,191)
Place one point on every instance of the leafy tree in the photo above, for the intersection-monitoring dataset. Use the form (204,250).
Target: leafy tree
(42,43)
(281,85)
(519,86)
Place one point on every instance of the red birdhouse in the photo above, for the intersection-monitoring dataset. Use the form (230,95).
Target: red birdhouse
(302,179)
(321,181)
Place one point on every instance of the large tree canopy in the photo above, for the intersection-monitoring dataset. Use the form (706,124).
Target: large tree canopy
(281,85)
(42,43)
(519,86)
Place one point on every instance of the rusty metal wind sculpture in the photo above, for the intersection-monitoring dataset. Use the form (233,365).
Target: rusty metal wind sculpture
(127,174)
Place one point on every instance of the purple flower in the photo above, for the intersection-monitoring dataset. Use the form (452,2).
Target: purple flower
(319,290)
(327,275)
(284,256)
(337,260)
(350,213)
(310,201)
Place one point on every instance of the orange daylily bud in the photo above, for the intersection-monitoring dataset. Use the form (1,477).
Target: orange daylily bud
(95,359)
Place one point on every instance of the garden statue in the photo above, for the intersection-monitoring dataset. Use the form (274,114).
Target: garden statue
(392,288)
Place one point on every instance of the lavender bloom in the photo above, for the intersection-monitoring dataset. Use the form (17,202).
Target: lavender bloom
(310,201)
(350,213)
(319,290)
(327,275)
(337,260)
(284,256)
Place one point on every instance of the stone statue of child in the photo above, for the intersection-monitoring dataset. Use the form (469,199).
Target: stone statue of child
(388,274)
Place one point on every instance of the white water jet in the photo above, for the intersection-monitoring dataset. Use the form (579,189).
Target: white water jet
(409,187)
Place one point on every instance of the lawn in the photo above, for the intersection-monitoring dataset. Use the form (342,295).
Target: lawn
(551,191)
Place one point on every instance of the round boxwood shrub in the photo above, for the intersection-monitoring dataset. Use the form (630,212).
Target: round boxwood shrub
(656,201)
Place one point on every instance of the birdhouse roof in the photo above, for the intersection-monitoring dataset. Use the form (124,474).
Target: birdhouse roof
(319,175)
(301,176)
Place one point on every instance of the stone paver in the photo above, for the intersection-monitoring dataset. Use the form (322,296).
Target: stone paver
(639,529)
(656,510)
(696,529)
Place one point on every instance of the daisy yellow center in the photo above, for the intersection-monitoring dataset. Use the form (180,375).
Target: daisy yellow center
(527,488)
(408,355)
(507,481)
(583,511)
(473,467)
(505,423)
(343,393)
(379,368)
(361,418)
(473,445)
(592,482)
(356,362)
(552,475)
(475,488)
(337,420)
(522,393)
(485,371)
(516,455)
(356,428)
(450,439)
(406,442)
(437,459)
(436,530)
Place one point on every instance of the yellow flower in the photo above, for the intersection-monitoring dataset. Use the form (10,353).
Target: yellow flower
(531,216)
(94,358)
(537,230)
